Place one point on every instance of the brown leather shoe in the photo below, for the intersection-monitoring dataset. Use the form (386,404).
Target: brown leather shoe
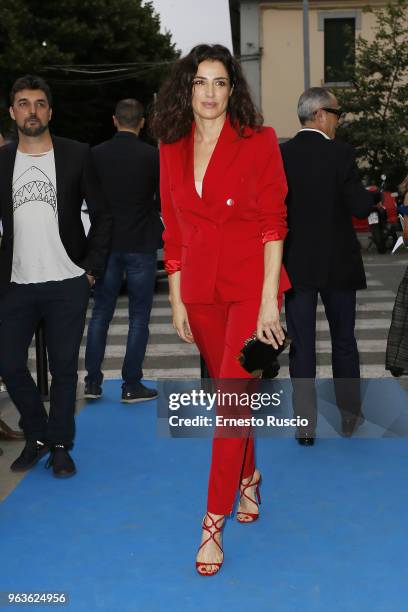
(6,433)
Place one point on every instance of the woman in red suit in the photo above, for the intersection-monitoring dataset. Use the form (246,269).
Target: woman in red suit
(222,190)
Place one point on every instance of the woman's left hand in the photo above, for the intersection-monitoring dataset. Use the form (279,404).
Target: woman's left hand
(268,328)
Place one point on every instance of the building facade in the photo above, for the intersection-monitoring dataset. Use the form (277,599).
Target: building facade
(272,52)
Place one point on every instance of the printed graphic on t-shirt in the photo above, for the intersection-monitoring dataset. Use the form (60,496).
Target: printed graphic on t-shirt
(34,186)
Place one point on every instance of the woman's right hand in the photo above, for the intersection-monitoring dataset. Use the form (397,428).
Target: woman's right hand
(180,322)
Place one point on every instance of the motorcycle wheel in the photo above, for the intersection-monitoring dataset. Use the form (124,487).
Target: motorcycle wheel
(394,237)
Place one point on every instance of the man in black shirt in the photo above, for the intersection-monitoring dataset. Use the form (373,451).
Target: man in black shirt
(129,171)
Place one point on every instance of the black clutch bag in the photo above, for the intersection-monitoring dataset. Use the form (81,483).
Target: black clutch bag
(256,356)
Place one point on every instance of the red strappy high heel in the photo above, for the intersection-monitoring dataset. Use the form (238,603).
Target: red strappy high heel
(208,528)
(243,488)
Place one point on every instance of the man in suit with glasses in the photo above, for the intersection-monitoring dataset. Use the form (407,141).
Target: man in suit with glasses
(322,255)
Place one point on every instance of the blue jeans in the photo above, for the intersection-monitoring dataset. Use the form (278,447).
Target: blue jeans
(140,269)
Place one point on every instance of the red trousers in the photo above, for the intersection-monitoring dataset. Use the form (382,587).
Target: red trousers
(219,331)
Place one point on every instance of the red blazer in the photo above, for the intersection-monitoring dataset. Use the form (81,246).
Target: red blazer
(217,240)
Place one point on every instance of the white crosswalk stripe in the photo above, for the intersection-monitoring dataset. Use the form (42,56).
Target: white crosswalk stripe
(367,371)
(395,262)
(165,311)
(119,329)
(168,357)
(162,299)
(184,349)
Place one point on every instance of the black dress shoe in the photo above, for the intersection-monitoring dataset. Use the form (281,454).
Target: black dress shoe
(138,394)
(33,451)
(6,433)
(305,439)
(61,462)
(92,391)
(397,372)
(350,424)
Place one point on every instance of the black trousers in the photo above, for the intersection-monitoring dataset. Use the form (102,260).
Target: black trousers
(62,306)
(340,309)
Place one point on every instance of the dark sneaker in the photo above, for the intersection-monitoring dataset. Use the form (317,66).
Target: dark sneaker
(6,433)
(141,394)
(33,451)
(305,437)
(92,391)
(397,372)
(61,462)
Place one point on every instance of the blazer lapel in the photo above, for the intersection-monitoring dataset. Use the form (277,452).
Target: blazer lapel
(60,165)
(224,154)
(7,171)
(216,179)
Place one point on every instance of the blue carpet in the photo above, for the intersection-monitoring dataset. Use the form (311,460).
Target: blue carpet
(122,535)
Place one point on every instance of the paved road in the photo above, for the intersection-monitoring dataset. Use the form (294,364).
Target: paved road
(169,357)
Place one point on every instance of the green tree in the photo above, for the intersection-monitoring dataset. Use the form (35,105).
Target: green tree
(92,53)
(378,96)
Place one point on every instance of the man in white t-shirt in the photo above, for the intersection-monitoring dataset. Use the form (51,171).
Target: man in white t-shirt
(47,266)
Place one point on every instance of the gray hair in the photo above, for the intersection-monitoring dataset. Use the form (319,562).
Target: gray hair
(311,100)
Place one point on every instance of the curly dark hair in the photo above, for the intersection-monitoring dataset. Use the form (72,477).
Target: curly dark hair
(172,113)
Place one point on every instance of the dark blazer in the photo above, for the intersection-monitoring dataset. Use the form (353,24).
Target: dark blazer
(324,191)
(77,180)
(217,241)
(129,171)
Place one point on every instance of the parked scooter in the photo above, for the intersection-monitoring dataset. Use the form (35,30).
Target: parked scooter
(377,219)
(382,221)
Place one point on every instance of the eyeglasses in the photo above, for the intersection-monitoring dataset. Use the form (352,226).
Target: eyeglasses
(340,114)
